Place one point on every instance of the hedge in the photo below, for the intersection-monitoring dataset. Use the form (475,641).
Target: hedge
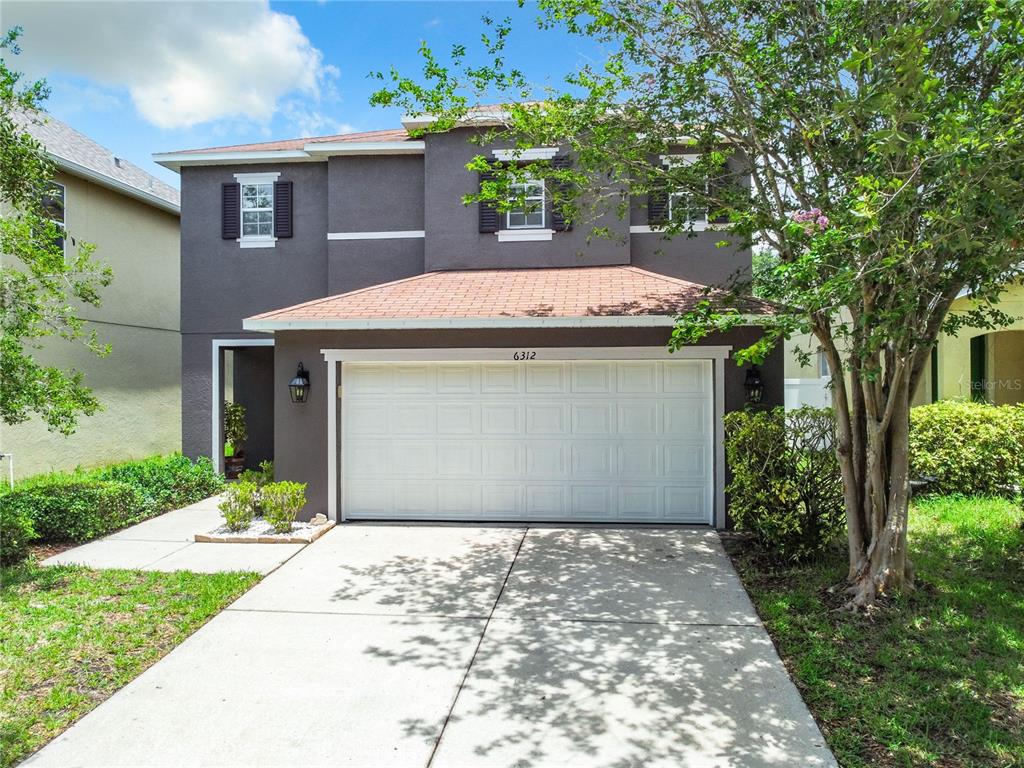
(82,505)
(970,448)
(786,487)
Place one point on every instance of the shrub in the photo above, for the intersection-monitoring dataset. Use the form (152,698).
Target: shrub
(970,448)
(261,476)
(786,487)
(167,482)
(16,533)
(72,508)
(282,502)
(239,505)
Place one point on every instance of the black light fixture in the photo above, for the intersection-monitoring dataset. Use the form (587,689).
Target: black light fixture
(298,387)
(753,384)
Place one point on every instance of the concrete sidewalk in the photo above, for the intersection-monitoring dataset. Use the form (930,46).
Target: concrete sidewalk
(469,647)
(165,543)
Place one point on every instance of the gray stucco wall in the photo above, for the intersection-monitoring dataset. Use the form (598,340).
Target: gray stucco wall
(222,283)
(300,431)
(453,238)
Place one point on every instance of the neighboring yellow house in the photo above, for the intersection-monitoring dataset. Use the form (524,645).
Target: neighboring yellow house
(133,220)
(975,363)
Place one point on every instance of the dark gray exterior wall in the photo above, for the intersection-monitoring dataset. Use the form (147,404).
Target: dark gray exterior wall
(300,431)
(453,237)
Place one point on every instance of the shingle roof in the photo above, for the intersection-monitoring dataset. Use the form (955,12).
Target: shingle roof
(576,292)
(389,134)
(75,152)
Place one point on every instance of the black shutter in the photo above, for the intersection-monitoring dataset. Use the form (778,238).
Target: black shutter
(558,222)
(657,207)
(282,209)
(719,187)
(230,211)
(488,210)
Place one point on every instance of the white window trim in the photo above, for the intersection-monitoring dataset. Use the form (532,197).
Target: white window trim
(524,234)
(256,241)
(717,354)
(531,153)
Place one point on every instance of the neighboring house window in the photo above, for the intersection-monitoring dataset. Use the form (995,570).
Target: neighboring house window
(823,371)
(53,208)
(530,202)
(257,210)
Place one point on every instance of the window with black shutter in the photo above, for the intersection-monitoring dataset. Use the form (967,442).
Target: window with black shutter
(558,220)
(283,209)
(488,211)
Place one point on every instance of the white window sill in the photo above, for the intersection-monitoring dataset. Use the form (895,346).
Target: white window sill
(256,242)
(698,226)
(524,235)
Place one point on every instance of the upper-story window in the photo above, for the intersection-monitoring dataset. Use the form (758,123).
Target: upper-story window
(257,210)
(529,200)
(684,209)
(53,208)
(254,205)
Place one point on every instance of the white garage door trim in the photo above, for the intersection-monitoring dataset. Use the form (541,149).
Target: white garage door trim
(333,357)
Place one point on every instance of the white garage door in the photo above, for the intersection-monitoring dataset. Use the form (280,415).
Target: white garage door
(575,441)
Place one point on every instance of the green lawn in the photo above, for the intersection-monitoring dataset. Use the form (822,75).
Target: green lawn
(937,677)
(71,636)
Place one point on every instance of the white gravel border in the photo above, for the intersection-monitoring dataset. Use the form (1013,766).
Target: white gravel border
(261,532)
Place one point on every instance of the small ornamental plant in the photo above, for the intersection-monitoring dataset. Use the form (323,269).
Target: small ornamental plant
(239,505)
(282,502)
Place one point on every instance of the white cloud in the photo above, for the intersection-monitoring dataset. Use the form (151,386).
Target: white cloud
(182,63)
(307,122)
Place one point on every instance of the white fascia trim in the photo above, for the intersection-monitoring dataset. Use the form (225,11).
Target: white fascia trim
(111,183)
(533,153)
(523,235)
(366,148)
(257,178)
(176,160)
(393,235)
(481,354)
(438,323)
(216,441)
(496,117)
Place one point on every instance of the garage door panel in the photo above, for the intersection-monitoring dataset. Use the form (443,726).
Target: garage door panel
(576,441)
(501,419)
(592,418)
(547,419)
(638,418)
(502,459)
(499,379)
(546,460)
(545,378)
(458,418)
(592,378)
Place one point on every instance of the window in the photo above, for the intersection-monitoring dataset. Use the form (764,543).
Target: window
(529,215)
(257,210)
(681,207)
(53,208)
(823,370)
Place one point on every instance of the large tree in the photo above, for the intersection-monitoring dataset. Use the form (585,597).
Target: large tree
(45,276)
(874,148)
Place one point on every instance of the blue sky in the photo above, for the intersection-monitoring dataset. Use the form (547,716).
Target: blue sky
(152,77)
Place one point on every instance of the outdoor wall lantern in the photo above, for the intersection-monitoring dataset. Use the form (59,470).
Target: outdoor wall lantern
(753,384)
(298,387)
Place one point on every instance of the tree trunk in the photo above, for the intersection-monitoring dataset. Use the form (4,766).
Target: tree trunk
(873,457)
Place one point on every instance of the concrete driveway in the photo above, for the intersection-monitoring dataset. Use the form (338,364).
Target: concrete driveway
(469,647)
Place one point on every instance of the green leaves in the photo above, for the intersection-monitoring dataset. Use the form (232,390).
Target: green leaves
(46,275)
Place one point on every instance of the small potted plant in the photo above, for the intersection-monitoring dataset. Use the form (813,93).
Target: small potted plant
(235,435)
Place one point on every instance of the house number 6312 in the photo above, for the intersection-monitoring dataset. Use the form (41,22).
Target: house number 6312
(524,355)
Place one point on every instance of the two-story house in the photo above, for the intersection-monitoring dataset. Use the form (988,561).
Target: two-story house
(463,363)
(132,219)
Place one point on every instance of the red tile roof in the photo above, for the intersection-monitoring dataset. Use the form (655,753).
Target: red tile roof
(389,134)
(504,293)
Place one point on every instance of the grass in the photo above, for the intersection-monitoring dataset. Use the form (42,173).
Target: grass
(71,636)
(936,678)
